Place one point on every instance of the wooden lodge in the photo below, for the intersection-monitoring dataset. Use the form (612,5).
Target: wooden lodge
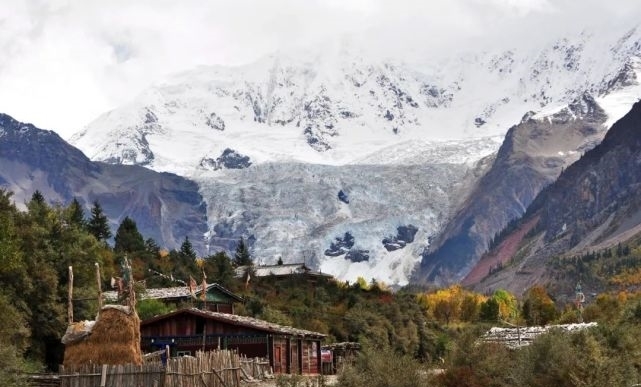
(289,350)
(216,297)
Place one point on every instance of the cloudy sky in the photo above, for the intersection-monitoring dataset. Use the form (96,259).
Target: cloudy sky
(64,62)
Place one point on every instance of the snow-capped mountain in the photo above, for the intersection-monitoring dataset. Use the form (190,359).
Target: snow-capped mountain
(273,144)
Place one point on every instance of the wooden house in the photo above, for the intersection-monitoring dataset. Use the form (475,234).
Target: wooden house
(289,350)
(216,298)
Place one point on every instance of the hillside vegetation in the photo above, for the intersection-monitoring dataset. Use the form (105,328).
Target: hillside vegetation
(421,328)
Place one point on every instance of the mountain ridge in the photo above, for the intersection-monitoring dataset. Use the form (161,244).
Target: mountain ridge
(594,204)
(532,156)
(166,207)
(339,109)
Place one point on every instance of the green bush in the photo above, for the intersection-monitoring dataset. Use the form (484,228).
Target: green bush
(151,307)
(383,367)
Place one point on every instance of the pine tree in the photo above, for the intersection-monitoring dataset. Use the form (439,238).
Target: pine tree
(152,247)
(98,225)
(128,239)
(187,249)
(219,268)
(37,197)
(75,214)
(242,257)
(38,208)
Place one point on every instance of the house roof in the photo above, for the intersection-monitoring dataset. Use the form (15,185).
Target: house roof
(175,292)
(279,270)
(244,321)
(522,336)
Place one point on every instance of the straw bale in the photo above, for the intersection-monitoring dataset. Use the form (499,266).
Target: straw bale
(114,339)
(77,331)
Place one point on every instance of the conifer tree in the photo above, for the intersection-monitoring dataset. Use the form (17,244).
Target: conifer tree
(37,207)
(222,267)
(128,239)
(242,257)
(76,215)
(152,247)
(187,249)
(98,225)
(37,197)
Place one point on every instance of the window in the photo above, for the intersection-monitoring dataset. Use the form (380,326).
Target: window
(200,326)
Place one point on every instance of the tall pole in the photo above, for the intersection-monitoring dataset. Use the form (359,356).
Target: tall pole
(204,335)
(579,300)
(99,290)
(70,297)
(131,296)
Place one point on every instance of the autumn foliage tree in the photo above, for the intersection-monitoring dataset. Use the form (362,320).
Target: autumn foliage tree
(538,306)
(452,304)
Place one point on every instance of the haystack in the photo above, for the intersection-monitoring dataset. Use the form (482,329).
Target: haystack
(114,338)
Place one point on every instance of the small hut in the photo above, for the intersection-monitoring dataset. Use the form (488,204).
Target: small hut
(114,338)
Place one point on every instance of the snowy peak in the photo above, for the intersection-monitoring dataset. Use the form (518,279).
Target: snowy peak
(337,106)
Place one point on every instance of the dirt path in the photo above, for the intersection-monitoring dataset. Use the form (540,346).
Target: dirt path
(330,380)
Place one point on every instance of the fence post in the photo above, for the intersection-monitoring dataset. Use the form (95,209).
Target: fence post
(103,376)
(222,381)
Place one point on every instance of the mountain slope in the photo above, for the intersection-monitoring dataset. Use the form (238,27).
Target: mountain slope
(595,203)
(286,118)
(166,207)
(533,154)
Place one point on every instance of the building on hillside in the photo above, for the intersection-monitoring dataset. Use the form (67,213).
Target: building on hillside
(280,271)
(289,350)
(518,337)
(216,299)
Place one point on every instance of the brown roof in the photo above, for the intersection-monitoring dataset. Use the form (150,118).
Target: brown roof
(285,269)
(244,321)
(174,292)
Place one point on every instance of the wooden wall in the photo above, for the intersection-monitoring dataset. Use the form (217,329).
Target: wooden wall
(191,325)
(287,354)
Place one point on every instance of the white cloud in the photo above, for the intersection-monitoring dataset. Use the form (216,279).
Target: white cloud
(66,61)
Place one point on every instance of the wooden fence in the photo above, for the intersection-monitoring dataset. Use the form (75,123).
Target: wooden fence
(255,368)
(43,380)
(148,375)
(211,369)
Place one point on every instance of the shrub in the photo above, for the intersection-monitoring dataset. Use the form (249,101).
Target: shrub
(151,307)
(383,367)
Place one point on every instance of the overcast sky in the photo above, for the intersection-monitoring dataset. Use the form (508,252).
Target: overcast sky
(63,62)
